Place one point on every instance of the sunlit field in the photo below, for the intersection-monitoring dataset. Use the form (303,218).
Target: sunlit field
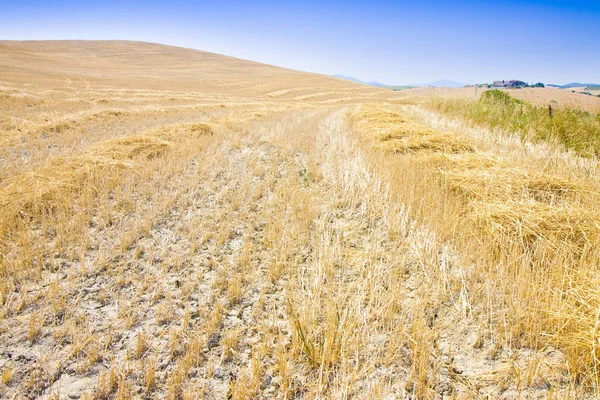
(184,225)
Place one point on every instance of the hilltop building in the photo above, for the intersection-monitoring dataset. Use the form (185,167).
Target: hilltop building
(509,84)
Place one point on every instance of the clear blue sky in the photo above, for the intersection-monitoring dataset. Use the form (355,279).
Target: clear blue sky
(395,42)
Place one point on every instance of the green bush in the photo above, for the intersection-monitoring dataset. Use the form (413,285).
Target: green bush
(498,96)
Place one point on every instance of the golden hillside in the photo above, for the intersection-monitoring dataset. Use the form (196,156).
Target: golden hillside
(180,224)
(136,65)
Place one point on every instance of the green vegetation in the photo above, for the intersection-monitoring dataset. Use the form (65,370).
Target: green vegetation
(593,87)
(575,129)
(398,88)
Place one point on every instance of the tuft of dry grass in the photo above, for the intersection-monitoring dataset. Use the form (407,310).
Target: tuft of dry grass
(7,374)
(403,135)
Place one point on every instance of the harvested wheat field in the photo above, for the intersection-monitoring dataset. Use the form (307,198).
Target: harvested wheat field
(183,225)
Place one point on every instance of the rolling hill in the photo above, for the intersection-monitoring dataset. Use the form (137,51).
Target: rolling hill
(146,65)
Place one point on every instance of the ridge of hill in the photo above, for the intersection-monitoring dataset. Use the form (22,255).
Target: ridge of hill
(127,64)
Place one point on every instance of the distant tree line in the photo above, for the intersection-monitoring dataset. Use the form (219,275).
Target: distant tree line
(514,84)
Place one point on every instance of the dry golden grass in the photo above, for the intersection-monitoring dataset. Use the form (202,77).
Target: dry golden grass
(194,226)
(528,221)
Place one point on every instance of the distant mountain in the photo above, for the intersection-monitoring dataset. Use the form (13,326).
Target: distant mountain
(350,78)
(353,79)
(442,83)
(372,83)
(576,84)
